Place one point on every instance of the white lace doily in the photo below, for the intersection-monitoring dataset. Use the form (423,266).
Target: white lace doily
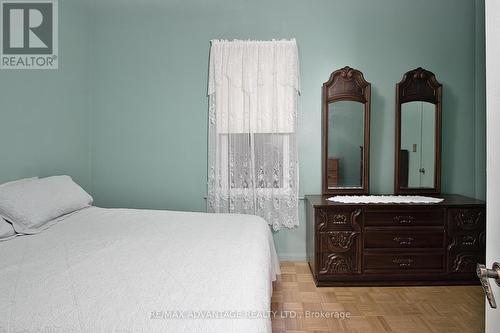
(384,199)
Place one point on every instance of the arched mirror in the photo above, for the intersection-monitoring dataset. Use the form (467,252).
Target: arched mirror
(418,134)
(346,133)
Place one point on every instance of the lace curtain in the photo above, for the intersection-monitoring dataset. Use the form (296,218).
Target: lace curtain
(252,164)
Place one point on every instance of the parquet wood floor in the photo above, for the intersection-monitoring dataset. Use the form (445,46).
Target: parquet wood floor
(457,309)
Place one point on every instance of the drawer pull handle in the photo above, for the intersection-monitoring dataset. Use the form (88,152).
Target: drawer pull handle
(404,241)
(403,263)
(404,219)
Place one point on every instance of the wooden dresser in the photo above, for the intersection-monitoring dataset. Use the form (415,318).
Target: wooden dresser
(395,244)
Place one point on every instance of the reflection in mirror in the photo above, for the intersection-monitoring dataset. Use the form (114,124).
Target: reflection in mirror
(418,134)
(418,128)
(345,144)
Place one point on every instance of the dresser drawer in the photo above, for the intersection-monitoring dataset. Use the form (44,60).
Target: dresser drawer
(338,241)
(403,239)
(331,264)
(341,219)
(405,218)
(403,262)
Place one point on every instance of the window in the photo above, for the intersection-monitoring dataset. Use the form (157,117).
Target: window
(259,157)
(252,148)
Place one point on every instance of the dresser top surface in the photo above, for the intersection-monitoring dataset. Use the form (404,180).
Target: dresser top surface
(450,200)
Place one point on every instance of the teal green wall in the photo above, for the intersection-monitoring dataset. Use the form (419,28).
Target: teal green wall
(138,104)
(150,107)
(44,114)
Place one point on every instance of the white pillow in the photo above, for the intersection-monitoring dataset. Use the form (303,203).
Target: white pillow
(19,181)
(6,230)
(31,205)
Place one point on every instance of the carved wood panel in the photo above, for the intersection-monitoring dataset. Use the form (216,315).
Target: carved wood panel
(338,263)
(466,232)
(338,241)
(331,220)
(419,85)
(465,262)
(347,83)
(339,233)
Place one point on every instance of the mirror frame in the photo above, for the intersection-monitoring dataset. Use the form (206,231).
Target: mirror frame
(346,84)
(419,85)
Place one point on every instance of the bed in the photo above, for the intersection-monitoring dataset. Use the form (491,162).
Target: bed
(124,270)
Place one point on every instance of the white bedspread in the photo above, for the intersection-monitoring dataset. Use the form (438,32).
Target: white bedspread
(119,270)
